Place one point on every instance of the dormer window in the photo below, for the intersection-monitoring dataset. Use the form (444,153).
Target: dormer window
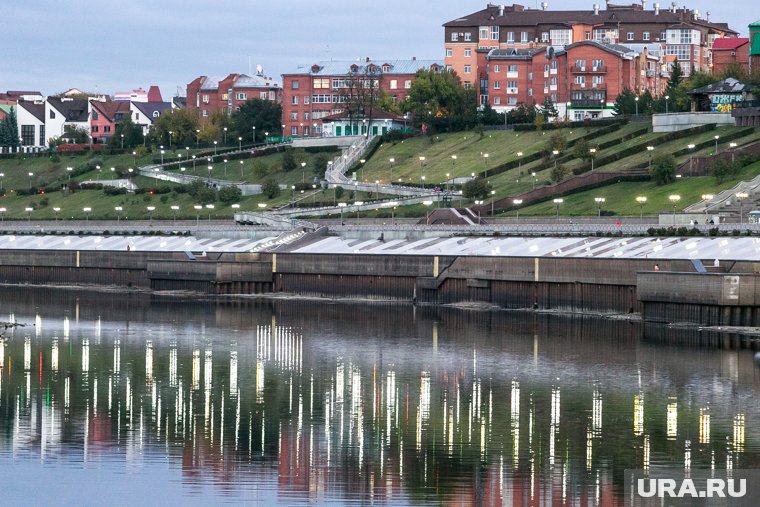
(386,67)
(156,114)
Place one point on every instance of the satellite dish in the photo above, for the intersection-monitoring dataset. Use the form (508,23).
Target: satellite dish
(259,69)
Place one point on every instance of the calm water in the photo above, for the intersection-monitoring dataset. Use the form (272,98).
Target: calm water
(131,399)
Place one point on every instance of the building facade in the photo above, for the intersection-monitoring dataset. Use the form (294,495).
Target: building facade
(679,32)
(207,95)
(322,89)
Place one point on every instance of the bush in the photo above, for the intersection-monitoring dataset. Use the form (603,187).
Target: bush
(722,169)
(558,173)
(114,190)
(270,188)
(477,188)
(663,169)
(229,194)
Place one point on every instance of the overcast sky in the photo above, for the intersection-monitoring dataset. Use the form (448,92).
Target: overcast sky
(109,46)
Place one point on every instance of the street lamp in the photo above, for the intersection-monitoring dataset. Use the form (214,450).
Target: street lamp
(209,173)
(391,160)
(68,170)
(209,207)
(29,211)
(519,160)
(517,203)
(447,181)
(362,161)
(636,101)
(667,98)
(303,173)
(533,174)
(253,136)
(740,196)
(422,179)
(87,213)
(453,161)
(225,136)
(493,198)
(557,202)
(707,197)
(592,151)
(731,145)
(241,169)
(30,180)
(150,209)
(716,144)
(193,164)
(650,149)
(555,153)
(691,158)
(358,204)
(56,210)
(134,158)
(599,201)
(175,209)
(118,210)
(674,199)
(479,203)
(240,143)
(197,137)
(642,200)
(122,141)
(341,205)
(215,145)
(198,209)
(485,162)
(162,157)
(97,168)
(170,139)
(225,168)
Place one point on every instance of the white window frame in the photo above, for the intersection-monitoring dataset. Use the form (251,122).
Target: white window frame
(449,52)
(454,36)
(629,36)
(483,33)
(468,69)
(467,36)
(467,52)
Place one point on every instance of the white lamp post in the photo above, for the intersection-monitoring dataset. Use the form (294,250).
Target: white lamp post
(303,173)
(740,196)
(592,151)
(150,209)
(175,209)
(56,210)
(691,158)
(642,200)
(557,202)
(517,203)
(716,144)
(198,209)
(118,210)
(391,160)
(599,201)
(29,211)
(210,208)
(650,149)
(87,213)
(674,199)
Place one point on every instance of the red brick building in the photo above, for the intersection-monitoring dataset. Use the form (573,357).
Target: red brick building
(320,90)
(677,31)
(730,50)
(582,79)
(104,118)
(208,94)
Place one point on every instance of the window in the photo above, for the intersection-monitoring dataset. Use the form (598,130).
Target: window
(294,100)
(156,114)
(106,128)
(597,80)
(448,67)
(495,33)
(580,64)
(580,80)
(321,98)
(205,99)
(597,63)
(293,131)
(224,96)
(645,36)
(242,96)
(306,100)
(467,52)
(662,36)
(27,135)
(407,84)
(681,52)
(467,85)
(306,116)
(554,64)
(524,37)
(546,67)
(205,113)
(497,68)
(449,53)
(454,36)
(321,83)
(606,33)
(263,95)
(94,115)
(544,36)
(42,135)
(512,68)
(467,69)
(629,36)
(530,92)
(554,81)
(512,101)
(497,85)
(386,68)
(588,35)
(467,36)
(294,84)
(561,37)
(394,84)
(94,128)
(530,76)
(294,115)
(685,36)
(510,37)
(394,99)
(496,101)
(511,84)
(483,32)
(272,95)
(554,97)
(52,114)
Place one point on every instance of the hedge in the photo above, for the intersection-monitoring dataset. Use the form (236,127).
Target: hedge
(524,127)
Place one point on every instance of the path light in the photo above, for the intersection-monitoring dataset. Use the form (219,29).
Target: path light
(303,172)
(262,205)
(485,162)
(534,179)
(391,161)
(555,153)
(592,151)
(650,149)
(716,144)
(599,201)
(87,213)
(2,214)
(517,203)
(691,158)
(642,200)
(69,170)
(174,209)
(29,211)
(56,211)
(198,209)
(209,207)
(150,209)
(519,159)
(707,197)
(674,199)
(341,205)
(557,202)
(118,210)
(30,180)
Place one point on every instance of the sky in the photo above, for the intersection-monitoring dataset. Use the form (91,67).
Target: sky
(111,46)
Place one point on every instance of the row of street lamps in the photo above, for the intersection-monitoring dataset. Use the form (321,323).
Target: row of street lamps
(120,209)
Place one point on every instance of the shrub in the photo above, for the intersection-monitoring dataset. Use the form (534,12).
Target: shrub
(270,188)
(477,188)
(229,194)
(663,169)
(558,173)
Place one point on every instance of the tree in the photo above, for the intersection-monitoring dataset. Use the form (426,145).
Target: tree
(538,122)
(265,115)
(523,113)
(359,93)
(319,166)
(270,188)
(476,188)
(133,135)
(558,173)
(288,160)
(549,111)
(229,194)
(9,131)
(663,169)
(437,98)
(183,124)
(557,142)
(722,169)
(625,103)
(78,135)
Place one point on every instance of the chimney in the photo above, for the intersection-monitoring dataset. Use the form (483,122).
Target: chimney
(544,5)
(656,9)
(644,5)
(596,9)
(673,7)
(414,58)
(708,15)
(696,13)
(501,10)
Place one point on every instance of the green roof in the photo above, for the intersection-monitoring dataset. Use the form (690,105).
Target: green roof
(6,108)
(754,49)
(756,23)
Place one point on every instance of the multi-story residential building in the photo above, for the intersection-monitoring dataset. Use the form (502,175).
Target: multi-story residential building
(581,79)
(680,32)
(104,117)
(152,95)
(754,49)
(209,94)
(320,90)
(726,51)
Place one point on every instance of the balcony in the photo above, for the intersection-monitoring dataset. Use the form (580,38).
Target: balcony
(589,70)
(511,91)
(589,86)
(512,74)
(586,102)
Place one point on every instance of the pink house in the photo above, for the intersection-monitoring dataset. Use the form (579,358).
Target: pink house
(104,118)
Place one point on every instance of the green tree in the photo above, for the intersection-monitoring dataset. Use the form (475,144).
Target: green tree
(183,124)
(289,160)
(229,194)
(558,173)
(476,188)
(523,113)
(270,188)
(319,166)
(437,98)
(549,111)
(663,169)
(78,135)
(9,130)
(723,169)
(625,103)
(557,141)
(133,135)
(265,115)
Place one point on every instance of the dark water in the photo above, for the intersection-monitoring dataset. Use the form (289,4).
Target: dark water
(114,399)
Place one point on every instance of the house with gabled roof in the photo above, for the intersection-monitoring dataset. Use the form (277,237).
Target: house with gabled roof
(63,112)
(145,114)
(104,118)
(209,94)
(730,50)
(30,116)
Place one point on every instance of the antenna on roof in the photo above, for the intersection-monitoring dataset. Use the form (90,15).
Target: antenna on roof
(259,70)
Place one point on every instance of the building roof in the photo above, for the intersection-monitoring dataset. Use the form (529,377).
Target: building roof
(180,101)
(73,110)
(517,15)
(728,85)
(241,81)
(36,109)
(154,94)
(755,48)
(149,108)
(513,54)
(343,67)
(729,43)
(109,109)
(756,24)
(377,114)
(617,49)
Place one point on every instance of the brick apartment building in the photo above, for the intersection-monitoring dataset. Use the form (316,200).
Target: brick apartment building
(208,94)
(581,79)
(680,34)
(318,91)
(730,50)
